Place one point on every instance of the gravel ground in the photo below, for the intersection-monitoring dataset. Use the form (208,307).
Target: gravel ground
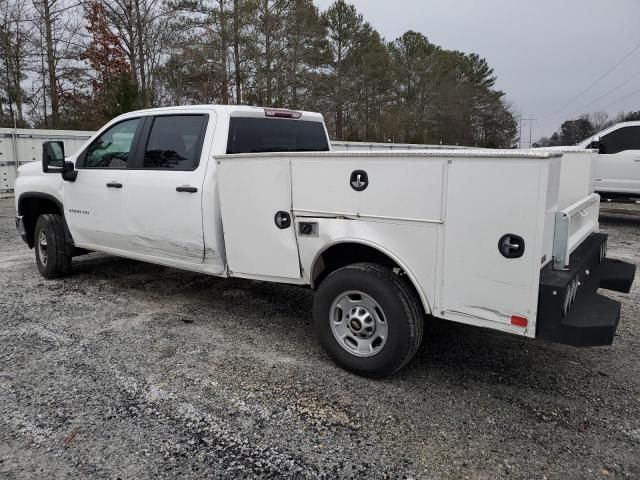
(129,370)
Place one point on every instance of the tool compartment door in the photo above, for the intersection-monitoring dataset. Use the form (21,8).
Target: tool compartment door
(487,200)
(252,193)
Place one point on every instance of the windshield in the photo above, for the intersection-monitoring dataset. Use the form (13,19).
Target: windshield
(258,135)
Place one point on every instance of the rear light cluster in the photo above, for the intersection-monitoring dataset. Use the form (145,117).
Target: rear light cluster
(603,251)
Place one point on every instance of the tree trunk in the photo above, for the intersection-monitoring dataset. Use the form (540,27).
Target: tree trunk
(141,35)
(44,84)
(267,52)
(224,51)
(51,65)
(11,114)
(339,121)
(236,51)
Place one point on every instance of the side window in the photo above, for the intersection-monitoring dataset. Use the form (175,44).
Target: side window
(175,142)
(625,138)
(113,149)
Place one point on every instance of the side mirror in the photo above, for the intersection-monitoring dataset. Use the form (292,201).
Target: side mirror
(595,144)
(53,157)
(69,172)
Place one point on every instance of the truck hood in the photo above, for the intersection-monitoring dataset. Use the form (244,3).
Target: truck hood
(30,169)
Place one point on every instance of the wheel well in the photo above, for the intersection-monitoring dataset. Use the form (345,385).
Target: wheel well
(31,208)
(343,254)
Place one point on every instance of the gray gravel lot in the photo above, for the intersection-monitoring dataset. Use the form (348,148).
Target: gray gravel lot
(103,376)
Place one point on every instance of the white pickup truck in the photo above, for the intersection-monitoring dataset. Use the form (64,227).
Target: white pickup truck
(616,167)
(387,239)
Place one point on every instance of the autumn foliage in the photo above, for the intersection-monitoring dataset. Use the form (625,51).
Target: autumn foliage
(111,72)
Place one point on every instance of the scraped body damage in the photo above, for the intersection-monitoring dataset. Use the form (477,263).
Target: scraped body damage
(167,246)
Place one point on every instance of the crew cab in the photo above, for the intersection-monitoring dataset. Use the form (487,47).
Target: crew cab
(616,167)
(387,239)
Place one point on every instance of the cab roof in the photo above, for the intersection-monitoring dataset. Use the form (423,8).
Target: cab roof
(227,110)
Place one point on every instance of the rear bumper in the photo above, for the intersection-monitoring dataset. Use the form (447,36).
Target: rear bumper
(591,319)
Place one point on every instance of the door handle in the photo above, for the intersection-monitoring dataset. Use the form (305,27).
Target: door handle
(359,180)
(114,185)
(186,188)
(511,246)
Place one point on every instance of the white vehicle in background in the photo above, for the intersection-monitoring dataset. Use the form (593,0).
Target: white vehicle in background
(490,238)
(616,166)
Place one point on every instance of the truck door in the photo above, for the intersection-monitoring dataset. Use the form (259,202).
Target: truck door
(255,198)
(617,166)
(94,203)
(163,194)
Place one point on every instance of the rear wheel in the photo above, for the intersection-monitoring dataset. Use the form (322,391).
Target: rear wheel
(53,256)
(368,319)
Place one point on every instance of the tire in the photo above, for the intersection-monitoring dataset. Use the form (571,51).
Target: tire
(368,296)
(53,256)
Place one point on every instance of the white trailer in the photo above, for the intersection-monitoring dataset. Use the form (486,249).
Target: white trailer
(23,145)
(387,239)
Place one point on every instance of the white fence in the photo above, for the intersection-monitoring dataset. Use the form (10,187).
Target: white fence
(23,145)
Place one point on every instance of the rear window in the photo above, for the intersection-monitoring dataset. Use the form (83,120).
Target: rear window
(256,135)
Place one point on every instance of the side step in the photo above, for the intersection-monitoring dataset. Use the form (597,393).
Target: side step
(591,322)
(617,275)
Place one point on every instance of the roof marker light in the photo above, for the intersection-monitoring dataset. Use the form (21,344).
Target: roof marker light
(281,113)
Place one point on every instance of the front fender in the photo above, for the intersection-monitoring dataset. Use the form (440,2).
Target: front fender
(32,181)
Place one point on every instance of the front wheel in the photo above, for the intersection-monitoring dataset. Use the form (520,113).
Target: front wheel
(53,257)
(368,319)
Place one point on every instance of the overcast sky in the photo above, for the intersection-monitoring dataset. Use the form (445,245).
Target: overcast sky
(544,52)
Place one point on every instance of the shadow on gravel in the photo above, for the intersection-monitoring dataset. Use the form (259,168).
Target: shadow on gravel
(166,284)
(462,353)
(463,348)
